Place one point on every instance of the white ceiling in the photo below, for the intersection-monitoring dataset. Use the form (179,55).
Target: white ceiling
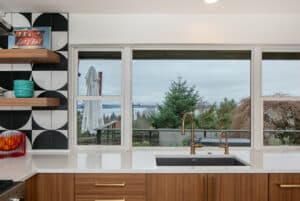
(153,6)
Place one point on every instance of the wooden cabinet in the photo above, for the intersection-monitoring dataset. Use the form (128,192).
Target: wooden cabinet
(284,187)
(237,187)
(163,187)
(211,187)
(176,187)
(114,187)
(50,187)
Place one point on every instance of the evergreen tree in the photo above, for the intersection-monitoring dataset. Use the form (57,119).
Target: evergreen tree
(178,100)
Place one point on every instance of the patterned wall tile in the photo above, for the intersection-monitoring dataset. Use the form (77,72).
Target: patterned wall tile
(3,42)
(5,67)
(20,20)
(59,79)
(41,119)
(59,119)
(50,80)
(49,119)
(42,79)
(56,21)
(14,120)
(21,67)
(45,128)
(27,126)
(50,139)
(59,41)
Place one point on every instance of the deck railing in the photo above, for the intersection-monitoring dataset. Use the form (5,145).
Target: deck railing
(172,137)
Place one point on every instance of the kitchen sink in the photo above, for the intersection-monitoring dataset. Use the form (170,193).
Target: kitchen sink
(199,161)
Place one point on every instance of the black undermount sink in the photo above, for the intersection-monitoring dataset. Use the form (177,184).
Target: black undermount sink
(199,161)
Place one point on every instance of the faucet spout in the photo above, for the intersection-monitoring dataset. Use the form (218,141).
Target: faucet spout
(193,145)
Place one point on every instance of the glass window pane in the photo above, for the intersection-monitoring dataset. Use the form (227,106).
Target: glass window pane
(280,74)
(282,122)
(98,123)
(105,73)
(216,91)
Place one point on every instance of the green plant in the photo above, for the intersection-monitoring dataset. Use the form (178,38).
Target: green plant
(180,99)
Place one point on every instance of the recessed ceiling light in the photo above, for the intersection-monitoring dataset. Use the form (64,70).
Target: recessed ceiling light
(211,1)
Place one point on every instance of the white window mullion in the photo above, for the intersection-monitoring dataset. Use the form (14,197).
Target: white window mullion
(100,98)
(256,101)
(126,98)
(73,72)
(281,98)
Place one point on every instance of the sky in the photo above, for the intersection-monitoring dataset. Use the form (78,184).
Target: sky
(213,79)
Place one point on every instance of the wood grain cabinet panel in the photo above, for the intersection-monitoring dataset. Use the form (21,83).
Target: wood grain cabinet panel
(50,187)
(91,187)
(237,187)
(284,187)
(109,198)
(176,187)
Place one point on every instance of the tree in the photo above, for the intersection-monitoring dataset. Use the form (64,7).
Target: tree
(218,118)
(225,113)
(209,118)
(179,99)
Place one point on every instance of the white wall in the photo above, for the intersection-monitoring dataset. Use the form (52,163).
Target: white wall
(225,29)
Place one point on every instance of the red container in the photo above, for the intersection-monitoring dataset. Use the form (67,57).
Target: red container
(12,144)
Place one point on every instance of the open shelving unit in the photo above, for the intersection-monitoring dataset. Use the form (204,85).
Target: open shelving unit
(13,56)
(28,56)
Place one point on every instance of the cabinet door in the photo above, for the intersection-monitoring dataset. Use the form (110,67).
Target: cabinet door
(284,187)
(237,187)
(176,187)
(50,187)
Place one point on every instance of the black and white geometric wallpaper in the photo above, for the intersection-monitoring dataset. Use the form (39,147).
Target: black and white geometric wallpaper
(46,128)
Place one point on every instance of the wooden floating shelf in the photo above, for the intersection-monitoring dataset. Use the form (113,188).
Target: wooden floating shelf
(28,56)
(38,102)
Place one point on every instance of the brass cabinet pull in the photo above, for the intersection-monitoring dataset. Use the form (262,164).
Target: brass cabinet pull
(123,199)
(110,185)
(289,185)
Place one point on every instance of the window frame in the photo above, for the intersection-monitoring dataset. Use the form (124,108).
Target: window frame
(257,99)
(275,49)
(74,97)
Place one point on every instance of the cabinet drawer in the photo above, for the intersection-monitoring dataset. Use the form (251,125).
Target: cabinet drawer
(110,184)
(284,187)
(109,198)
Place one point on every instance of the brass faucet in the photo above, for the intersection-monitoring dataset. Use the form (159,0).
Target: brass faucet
(225,144)
(193,145)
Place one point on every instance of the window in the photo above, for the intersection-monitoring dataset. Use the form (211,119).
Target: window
(280,74)
(140,95)
(212,85)
(98,98)
(281,98)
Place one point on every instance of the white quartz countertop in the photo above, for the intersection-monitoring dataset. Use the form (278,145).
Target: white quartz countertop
(143,161)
